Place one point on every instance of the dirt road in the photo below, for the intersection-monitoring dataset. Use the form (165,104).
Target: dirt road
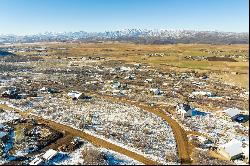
(184,150)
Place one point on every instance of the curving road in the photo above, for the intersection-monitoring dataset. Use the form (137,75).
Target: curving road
(184,150)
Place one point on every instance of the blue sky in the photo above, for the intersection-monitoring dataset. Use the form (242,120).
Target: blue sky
(35,16)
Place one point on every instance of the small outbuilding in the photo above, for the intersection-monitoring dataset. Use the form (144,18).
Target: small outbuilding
(155,91)
(116,84)
(231,150)
(49,154)
(75,95)
(202,93)
(231,112)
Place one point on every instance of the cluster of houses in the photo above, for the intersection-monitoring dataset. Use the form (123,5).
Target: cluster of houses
(136,82)
(234,147)
(14,49)
(236,54)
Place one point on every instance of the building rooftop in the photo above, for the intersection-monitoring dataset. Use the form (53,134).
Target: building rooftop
(234,147)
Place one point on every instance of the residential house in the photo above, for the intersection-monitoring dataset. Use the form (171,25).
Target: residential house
(75,95)
(186,110)
(231,150)
(231,112)
(155,91)
(49,154)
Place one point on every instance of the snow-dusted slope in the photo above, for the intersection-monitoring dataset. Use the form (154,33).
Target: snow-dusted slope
(137,35)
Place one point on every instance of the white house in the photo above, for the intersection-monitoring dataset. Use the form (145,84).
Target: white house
(201,93)
(231,150)
(74,94)
(216,97)
(186,110)
(148,80)
(43,89)
(182,112)
(49,154)
(116,84)
(123,68)
(182,109)
(155,91)
(232,111)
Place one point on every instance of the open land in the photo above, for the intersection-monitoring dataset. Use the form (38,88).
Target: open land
(123,103)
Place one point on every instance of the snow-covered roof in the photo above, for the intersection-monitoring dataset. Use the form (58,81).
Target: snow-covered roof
(232,111)
(155,90)
(123,68)
(43,89)
(203,93)
(148,80)
(116,84)
(234,147)
(49,154)
(74,94)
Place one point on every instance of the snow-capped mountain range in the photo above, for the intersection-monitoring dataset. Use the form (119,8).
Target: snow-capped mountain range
(137,36)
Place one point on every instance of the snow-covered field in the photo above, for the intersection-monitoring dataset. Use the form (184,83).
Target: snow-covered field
(8,116)
(119,123)
(76,157)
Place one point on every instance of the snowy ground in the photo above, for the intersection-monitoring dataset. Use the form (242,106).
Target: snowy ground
(119,123)
(221,130)
(8,116)
(113,158)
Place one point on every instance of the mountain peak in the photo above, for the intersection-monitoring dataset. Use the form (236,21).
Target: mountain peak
(137,35)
